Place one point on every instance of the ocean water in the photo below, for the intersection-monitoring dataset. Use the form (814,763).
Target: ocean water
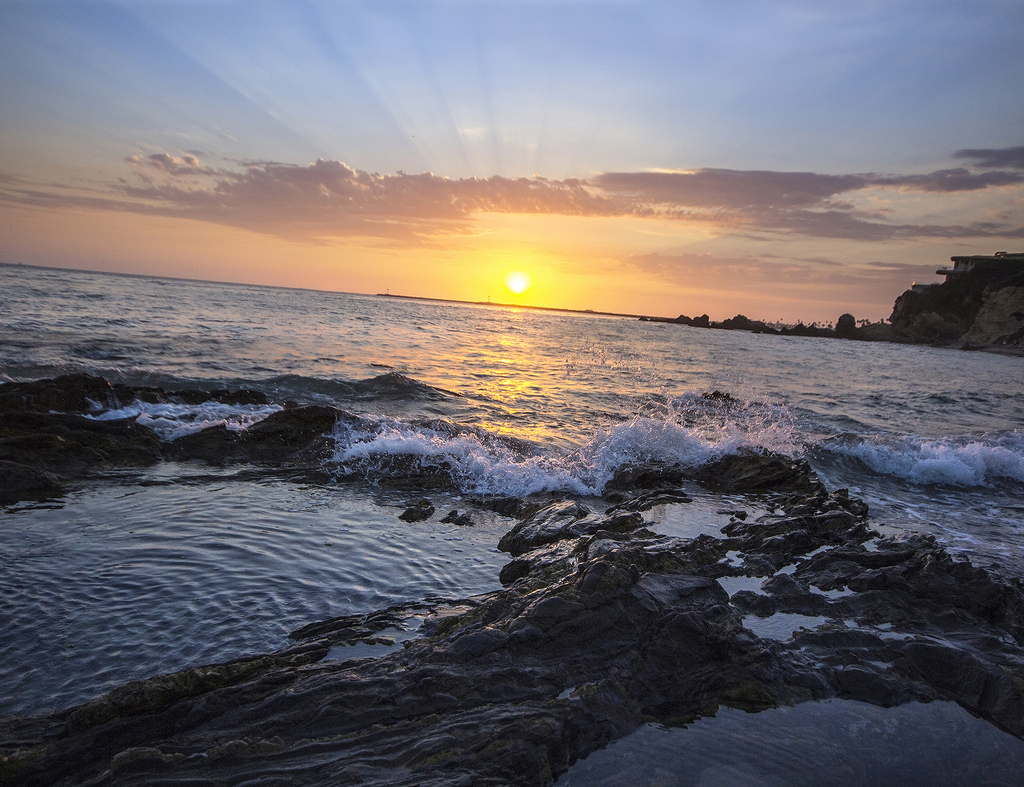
(148,571)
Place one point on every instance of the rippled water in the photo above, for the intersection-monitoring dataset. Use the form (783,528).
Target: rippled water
(821,743)
(153,572)
(137,574)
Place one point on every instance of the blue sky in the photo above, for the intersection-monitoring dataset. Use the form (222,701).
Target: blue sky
(689,126)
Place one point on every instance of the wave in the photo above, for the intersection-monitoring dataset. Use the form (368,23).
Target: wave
(961,462)
(689,430)
(482,462)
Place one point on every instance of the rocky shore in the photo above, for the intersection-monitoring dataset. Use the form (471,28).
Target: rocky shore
(601,625)
(846,327)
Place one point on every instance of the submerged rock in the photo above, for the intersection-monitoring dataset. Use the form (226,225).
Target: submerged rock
(453,517)
(418,511)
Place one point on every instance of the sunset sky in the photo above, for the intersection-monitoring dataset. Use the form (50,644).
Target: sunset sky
(781,159)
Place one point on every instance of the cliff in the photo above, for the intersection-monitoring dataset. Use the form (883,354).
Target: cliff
(967,310)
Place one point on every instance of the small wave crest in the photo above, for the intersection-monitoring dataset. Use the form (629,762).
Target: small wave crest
(171,421)
(964,462)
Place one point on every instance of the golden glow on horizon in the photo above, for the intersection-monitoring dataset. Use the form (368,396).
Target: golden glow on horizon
(517,282)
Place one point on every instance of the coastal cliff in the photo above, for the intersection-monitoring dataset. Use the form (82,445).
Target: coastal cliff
(972,308)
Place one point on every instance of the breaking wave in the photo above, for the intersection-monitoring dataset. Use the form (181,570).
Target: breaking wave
(483,462)
(963,462)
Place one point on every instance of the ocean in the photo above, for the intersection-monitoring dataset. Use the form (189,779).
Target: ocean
(137,572)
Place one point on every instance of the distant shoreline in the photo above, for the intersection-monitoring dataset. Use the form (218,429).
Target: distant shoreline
(512,306)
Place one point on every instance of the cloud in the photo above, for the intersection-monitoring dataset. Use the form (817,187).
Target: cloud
(991,158)
(797,203)
(329,198)
(713,188)
(945,181)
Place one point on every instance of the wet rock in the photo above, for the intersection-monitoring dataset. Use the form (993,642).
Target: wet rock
(563,520)
(453,517)
(302,433)
(506,506)
(749,472)
(20,482)
(478,643)
(645,476)
(222,395)
(45,431)
(418,511)
(645,502)
(68,446)
(74,393)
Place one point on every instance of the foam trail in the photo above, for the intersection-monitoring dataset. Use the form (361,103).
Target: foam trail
(171,421)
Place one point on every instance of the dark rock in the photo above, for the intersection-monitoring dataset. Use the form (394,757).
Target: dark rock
(748,472)
(69,446)
(645,502)
(547,525)
(645,476)
(846,327)
(515,507)
(21,482)
(418,511)
(967,305)
(478,643)
(453,517)
(564,520)
(74,393)
(215,444)
(743,323)
(235,396)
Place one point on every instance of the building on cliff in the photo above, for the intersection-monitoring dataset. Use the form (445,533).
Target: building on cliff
(1002,263)
(980,304)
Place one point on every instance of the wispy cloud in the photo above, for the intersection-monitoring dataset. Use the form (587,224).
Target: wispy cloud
(329,198)
(800,203)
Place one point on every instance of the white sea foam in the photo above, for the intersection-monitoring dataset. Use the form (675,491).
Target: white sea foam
(486,463)
(171,421)
(962,463)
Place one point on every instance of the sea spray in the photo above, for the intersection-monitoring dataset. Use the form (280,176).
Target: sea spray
(482,462)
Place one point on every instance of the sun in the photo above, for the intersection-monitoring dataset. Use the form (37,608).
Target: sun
(517,282)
